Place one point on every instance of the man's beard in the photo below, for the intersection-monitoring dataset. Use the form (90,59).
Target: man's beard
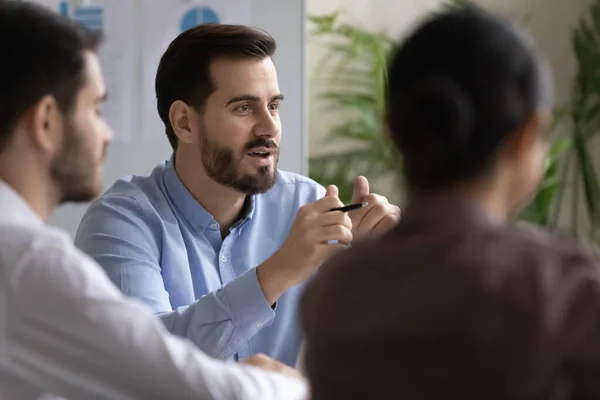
(223,166)
(73,170)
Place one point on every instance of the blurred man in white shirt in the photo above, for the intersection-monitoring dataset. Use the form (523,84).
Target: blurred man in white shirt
(64,328)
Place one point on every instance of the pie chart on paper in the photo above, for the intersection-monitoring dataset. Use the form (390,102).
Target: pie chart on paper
(198,15)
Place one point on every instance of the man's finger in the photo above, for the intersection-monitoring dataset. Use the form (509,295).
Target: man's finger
(332,191)
(359,215)
(265,362)
(361,189)
(378,220)
(326,204)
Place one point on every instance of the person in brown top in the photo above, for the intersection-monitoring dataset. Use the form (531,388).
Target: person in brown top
(455,302)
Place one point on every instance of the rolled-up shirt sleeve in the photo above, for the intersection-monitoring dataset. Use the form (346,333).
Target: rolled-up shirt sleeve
(119,234)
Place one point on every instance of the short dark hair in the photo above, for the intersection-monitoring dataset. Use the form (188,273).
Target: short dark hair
(184,70)
(458,87)
(42,54)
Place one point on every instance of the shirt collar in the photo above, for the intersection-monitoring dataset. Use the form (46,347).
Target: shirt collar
(15,208)
(249,207)
(189,207)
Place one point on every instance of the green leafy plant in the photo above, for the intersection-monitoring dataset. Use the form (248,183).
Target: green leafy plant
(540,210)
(352,78)
(578,169)
(352,85)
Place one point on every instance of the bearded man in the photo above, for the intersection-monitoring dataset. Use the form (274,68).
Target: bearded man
(216,240)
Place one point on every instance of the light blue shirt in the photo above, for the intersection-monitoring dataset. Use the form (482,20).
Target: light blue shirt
(158,244)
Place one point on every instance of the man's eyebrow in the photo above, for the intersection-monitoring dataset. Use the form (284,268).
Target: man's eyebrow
(244,97)
(248,97)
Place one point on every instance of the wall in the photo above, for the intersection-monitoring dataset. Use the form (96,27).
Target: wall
(550,21)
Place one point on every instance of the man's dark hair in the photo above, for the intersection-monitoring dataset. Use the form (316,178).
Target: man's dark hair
(42,53)
(184,70)
(459,87)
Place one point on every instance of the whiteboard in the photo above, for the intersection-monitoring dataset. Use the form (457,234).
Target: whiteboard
(285,21)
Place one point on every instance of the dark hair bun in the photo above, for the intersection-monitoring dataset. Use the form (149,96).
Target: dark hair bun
(437,119)
(459,86)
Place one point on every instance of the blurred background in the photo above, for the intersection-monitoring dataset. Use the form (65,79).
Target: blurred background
(348,44)
(331,62)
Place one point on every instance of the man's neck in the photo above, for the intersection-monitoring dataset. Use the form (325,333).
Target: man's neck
(223,203)
(30,184)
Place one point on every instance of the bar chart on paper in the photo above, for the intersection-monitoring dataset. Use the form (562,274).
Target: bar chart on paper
(198,15)
(117,54)
(162,21)
(90,16)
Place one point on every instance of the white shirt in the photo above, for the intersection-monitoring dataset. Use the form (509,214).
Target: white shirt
(66,330)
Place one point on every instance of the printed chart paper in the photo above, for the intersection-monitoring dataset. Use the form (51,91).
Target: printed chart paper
(161,22)
(117,54)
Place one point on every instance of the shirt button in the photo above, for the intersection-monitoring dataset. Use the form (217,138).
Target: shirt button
(259,324)
(223,258)
(213,226)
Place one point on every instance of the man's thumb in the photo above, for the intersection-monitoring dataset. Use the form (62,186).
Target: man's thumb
(332,190)
(361,189)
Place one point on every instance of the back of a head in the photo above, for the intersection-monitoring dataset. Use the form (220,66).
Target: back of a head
(459,86)
(42,54)
(184,69)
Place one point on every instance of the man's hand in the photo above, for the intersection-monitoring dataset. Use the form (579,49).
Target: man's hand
(307,245)
(377,217)
(267,363)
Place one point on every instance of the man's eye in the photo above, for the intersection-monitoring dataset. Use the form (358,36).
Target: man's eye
(244,107)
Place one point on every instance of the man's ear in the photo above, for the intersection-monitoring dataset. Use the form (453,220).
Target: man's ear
(182,118)
(525,138)
(47,125)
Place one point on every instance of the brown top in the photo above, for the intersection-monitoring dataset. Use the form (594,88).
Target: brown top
(453,305)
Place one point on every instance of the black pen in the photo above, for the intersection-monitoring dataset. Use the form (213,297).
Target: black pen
(350,207)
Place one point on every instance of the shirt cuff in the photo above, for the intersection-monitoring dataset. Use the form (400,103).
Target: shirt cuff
(249,307)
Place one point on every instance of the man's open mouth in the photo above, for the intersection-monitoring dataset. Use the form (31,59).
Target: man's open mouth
(261,152)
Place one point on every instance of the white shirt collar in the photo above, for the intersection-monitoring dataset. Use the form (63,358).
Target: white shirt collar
(15,209)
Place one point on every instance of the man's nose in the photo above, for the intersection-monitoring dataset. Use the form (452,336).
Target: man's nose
(267,125)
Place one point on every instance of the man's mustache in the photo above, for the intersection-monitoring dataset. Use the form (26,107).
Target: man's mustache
(269,144)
